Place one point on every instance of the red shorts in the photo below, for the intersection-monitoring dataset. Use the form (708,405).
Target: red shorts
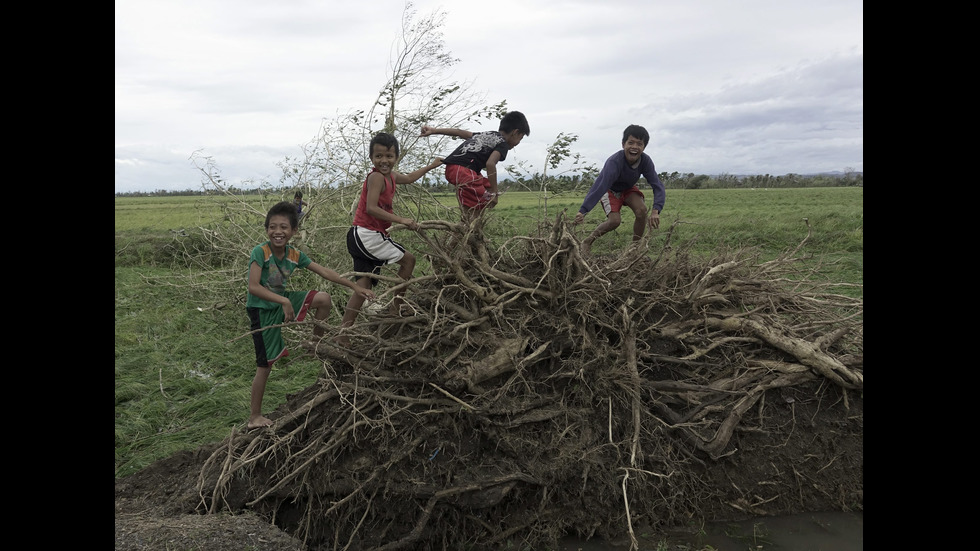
(471,187)
(612,201)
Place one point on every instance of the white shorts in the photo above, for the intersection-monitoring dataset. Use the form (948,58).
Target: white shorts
(372,249)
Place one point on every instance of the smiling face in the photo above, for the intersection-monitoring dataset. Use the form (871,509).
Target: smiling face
(633,147)
(383,158)
(279,231)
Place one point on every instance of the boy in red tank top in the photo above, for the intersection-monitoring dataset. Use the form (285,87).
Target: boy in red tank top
(368,241)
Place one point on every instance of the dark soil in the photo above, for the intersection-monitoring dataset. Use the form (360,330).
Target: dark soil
(810,457)
(536,394)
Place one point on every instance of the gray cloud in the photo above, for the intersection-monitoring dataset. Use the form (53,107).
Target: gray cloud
(753,87)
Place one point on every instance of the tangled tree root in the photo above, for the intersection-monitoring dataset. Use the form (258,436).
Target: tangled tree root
(532,392)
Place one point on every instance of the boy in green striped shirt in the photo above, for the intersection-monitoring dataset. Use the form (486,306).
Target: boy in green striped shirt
(270,304)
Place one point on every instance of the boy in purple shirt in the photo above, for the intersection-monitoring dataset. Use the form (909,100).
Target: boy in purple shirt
(616,186)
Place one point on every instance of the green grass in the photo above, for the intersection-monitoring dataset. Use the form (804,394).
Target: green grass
(173,213)
(183,365)
(181,379)
(773,220)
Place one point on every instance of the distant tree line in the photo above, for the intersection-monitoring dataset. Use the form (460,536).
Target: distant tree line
(675,180)
(582,182)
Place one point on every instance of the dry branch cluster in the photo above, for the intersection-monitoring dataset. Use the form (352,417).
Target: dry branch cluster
(528,391)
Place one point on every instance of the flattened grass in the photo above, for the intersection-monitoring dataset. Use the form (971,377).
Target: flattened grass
(181,380)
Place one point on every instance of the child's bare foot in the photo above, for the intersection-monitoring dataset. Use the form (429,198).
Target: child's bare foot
(258,422)
(342,341)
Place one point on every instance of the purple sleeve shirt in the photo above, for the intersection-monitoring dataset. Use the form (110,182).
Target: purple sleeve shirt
(618,176)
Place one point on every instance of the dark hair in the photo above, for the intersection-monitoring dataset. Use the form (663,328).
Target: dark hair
(298,194)
(384,140)
(636,131)
(515,120)
(284,208)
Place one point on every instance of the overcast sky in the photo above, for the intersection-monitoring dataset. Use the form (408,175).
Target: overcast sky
(748,87)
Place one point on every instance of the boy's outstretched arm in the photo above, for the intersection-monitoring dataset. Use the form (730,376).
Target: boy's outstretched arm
(375,183)
(412,176)
(332,275)
(599,188)
(459,133)
(492,172)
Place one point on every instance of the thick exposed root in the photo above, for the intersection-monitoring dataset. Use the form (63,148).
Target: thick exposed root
(532,390)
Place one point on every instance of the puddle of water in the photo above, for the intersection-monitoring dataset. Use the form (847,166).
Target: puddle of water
(826,531)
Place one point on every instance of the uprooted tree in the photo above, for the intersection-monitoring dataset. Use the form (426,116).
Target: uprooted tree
(528,391)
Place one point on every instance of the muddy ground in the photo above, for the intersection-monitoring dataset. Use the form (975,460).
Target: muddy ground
(812,459)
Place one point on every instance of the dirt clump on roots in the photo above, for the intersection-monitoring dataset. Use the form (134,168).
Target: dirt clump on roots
(529,392)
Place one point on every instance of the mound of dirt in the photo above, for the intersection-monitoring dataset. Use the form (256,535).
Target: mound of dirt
(530,392)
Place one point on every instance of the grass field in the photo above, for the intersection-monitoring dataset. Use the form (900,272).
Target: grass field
(183,367)
(772,218)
